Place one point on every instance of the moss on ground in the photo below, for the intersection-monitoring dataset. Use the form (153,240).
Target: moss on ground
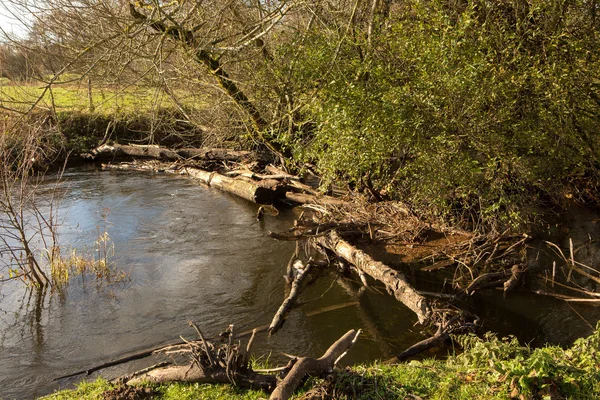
(488,368)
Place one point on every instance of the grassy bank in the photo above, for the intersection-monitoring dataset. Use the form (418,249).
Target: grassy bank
(488,368)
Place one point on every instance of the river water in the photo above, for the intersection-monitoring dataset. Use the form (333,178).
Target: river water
(191,252)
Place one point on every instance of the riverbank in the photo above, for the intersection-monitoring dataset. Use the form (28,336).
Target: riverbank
(389,229)
(488,368)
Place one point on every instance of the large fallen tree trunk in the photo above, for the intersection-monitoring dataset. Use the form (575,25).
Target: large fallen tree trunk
(394,281)
(313,367)
(257,192)
(106,152)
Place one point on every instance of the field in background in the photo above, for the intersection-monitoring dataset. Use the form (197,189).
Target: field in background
(75,97)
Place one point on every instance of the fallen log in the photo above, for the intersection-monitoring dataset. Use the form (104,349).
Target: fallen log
(423,345)
(195,374)
(303,198)
(226,363)
(486,281)
(251,191)
(314,367)
(394,281)
(496,279)
(106,152)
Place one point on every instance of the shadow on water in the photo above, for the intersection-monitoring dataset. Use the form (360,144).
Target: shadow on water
(199,254)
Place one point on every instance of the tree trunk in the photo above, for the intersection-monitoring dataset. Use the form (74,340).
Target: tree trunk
(394,281)
(106,152)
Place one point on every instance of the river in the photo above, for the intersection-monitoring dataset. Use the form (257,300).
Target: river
(193,253)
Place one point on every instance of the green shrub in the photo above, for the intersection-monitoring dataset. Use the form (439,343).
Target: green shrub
(476,111)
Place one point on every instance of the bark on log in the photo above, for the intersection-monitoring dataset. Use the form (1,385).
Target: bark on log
(287,304)
(486,281)
(248,380)
(247,190)
(314,367)
(394,281)
(423,345)
(106,152)
(303,198)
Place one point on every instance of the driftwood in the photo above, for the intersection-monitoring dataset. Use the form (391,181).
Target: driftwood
(195,374)
(486,281)
(394,281)
(284,309)
(228,363)
(261,192)
(313,367)
(252,186)
(106,152)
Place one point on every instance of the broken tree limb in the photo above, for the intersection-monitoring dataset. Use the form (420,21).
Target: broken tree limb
(486,281)
(278,171)
(394,281)
(455,325)
(287,304)
(122,360)
(210,363)
(105,152)
(314,367)
(423,345)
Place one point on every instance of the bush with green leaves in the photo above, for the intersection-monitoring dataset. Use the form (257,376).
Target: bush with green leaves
(480,112)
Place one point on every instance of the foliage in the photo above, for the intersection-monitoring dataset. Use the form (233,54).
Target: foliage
(478,112)
(473,110)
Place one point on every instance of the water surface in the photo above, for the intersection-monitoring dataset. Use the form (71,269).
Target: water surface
(195,253)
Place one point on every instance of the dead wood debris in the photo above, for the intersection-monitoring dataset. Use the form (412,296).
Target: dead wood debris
(459,324)
(226,362)
(229,363)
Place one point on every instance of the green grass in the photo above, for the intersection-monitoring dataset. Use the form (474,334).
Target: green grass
(175,391)
(73,97)
(489,368)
